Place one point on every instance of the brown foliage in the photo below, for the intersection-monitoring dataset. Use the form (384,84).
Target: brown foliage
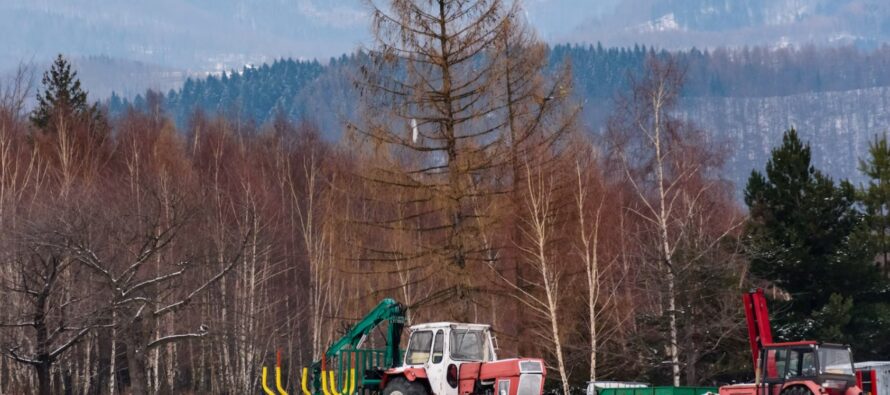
(186,258)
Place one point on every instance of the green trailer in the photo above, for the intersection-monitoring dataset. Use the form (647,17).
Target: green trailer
(657,391)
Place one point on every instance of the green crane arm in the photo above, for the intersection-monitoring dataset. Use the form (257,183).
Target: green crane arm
(387,310)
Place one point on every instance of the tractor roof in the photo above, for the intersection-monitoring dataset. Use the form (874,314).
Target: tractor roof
(803,344)
(790,344)
(439,325)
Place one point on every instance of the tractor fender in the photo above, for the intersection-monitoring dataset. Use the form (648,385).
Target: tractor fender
(409,373)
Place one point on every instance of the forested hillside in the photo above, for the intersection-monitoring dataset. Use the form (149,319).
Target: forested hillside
(746,96)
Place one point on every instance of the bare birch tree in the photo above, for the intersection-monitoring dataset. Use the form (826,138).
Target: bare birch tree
(671,181)
(538,114)
(539,230)
(591,197)
(19,163)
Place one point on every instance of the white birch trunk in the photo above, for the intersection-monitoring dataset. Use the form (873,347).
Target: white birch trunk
(113,364)
(658,98)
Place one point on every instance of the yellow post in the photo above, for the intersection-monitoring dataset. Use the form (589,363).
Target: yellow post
(351,382)
(345,390)
(278,381)
(266,387)
(303,382)
(333,384)
(324,383)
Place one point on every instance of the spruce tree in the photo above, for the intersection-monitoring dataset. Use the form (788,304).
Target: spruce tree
(875,199)
(806,236)
(62,96)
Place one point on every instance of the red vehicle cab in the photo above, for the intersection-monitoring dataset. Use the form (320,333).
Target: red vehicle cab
(792,368)
(801,368)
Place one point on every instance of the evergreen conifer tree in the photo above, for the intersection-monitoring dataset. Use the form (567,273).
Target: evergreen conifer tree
(806,236)
(875,199)
(61,96)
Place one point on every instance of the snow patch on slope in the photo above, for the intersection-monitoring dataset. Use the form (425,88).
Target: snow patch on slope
(666,23)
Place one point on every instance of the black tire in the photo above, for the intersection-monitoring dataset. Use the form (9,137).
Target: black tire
(401,386)
(796,390)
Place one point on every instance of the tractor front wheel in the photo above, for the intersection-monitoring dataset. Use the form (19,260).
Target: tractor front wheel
(797,390)
(401,386)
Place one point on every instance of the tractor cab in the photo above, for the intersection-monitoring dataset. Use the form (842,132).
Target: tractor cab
(801,368)
(446,342)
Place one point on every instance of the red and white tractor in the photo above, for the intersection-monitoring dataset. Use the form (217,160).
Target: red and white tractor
(443,358)
(448,358)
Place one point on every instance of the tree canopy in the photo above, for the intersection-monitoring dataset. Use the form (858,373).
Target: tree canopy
(62,95)
(807,236)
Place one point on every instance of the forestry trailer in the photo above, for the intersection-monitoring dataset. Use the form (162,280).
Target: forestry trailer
(873,377)
(792,368)
(442,358)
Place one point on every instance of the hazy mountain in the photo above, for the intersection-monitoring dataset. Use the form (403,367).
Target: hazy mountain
(102,75)
(215,35)
(193,35)
(196,37)
(837,97)
(676,24)
(838,124)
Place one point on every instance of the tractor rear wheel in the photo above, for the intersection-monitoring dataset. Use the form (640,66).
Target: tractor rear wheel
(797,390)
(401,386)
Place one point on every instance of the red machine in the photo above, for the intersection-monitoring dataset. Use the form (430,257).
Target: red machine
(447,358)
(792,368)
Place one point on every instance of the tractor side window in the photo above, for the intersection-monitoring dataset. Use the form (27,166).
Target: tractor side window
(439,347)
(419,348)
(801,363)
(808,364)
(775,363)
(469,345)
(793,364)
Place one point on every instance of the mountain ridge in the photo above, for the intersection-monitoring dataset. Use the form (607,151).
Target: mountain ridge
(837,97)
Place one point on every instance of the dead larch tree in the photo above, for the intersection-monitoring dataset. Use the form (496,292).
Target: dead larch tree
(435,130)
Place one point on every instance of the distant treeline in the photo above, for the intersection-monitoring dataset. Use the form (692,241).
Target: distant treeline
(298,88)
(748,72)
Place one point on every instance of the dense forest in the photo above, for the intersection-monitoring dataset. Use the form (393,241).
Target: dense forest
(747,96)
(172,245)
(258,93)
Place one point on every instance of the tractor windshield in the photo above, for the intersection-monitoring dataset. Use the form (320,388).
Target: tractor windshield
(835,361)
(419,348)
(470,345)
